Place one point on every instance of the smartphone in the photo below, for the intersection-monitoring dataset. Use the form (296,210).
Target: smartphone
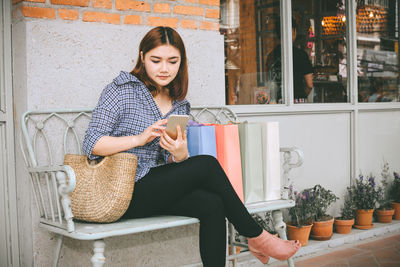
(173,121)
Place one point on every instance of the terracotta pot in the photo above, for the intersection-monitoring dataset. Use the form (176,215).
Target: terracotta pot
(364,219)
(396,207)
(385,216)
(236,248)
(343,226)
(322,230)
(299,233)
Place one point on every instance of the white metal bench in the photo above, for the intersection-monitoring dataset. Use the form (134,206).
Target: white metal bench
(49,134)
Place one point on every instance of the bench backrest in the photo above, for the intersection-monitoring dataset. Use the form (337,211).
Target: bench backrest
(47,135)
(50,134)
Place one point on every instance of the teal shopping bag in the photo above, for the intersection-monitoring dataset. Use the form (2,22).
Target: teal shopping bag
(272,160)
(259,147)
(251,152)
(201,140)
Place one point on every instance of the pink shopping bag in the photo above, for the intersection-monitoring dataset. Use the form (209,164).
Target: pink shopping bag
(228,154)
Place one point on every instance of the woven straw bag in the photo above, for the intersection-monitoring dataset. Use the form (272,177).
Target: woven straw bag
(103,191)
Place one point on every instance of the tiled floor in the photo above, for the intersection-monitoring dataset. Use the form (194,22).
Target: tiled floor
(379,252)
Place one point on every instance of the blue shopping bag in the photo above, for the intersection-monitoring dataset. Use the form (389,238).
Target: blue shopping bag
(201,140)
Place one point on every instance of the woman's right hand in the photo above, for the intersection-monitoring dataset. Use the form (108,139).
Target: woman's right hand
(151,132)
(108,145)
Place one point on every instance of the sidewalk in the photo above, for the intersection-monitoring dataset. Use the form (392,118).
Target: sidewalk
(378,251)
(379,246)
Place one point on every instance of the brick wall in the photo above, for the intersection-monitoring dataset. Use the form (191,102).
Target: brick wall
(189,14)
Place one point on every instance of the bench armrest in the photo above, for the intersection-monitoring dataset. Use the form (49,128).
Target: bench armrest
(58,169)
(59,178)
(295,150)
(287,165)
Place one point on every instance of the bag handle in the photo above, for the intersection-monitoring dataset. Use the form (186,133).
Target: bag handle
(92,163)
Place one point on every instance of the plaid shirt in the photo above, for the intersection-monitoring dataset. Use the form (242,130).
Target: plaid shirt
(126,107)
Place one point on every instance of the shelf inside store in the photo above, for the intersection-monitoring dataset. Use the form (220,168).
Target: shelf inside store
(372,39)
(327,37)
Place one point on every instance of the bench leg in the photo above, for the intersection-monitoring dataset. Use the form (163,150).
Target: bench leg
(280,228)
(57,250)
(98,258)
(231,233)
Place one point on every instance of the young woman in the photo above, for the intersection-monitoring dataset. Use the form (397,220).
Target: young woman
(131,117)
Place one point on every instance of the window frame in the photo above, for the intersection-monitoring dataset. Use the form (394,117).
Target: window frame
(289,107)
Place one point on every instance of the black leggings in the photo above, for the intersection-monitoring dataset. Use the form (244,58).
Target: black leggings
(197,187)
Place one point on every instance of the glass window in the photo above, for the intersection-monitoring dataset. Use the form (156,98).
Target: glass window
(249,27)
(377,50)
(320,39)
(253,57)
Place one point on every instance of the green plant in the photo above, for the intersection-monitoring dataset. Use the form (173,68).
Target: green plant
(394,191)
(364,192)
(322,199)
(303,211)
(265,221)
(347,212)
(384,198)
(311,205)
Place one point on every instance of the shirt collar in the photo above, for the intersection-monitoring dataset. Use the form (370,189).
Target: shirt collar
(125,77)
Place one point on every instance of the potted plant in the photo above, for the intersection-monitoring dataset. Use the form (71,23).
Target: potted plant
(265,221)
(301,215)
(345,222)
(385,211)
(322,198)
(394,195)
(364,194)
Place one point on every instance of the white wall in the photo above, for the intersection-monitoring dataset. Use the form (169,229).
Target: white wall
(379,141)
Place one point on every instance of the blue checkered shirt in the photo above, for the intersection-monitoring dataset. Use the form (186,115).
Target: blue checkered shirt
(126,107)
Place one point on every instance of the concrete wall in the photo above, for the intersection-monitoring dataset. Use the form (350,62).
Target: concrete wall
(25,204)
(66,64)
(71,62)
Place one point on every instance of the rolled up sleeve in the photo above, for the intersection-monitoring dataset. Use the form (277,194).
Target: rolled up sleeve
(166,155)
(104,118)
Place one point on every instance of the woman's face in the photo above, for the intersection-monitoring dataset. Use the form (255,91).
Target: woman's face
(162,64)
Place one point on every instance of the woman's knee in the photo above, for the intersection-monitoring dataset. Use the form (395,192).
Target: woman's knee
(213,206)
(206,161)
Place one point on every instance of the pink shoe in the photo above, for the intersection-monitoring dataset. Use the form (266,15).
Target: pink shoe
(266,245)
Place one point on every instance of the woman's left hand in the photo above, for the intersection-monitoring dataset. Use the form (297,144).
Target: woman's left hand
(178,148)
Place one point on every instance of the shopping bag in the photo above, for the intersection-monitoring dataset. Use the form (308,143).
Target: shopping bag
(251,152)
(201,140)
(271,157)
(228,154)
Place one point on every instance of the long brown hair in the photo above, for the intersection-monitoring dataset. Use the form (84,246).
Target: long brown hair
(154,38)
